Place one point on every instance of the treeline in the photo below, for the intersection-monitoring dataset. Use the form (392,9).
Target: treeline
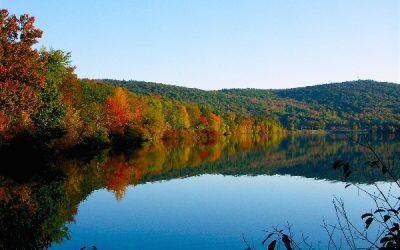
(40,95)
(356,105)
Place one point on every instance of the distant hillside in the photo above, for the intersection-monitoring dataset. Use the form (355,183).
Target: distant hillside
(353,97)
(362,104)
(218,99)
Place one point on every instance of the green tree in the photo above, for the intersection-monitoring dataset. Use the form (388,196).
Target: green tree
(50,117)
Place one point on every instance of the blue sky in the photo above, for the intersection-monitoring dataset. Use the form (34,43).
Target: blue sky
(213,44)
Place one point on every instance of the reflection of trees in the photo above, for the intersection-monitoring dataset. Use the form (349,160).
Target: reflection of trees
(149,162)
(32,215)
(37,209)
(309,156)
(117,175)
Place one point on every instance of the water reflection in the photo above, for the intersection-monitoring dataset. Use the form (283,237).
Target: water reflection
(36,207)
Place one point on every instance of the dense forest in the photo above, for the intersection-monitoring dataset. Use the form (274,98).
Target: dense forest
(355,105)
(41,96)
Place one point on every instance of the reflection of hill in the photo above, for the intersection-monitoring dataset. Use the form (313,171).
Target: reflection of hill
(310,156)
(50,199)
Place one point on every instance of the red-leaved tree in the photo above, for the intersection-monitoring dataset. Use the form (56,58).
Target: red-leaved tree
(22,71)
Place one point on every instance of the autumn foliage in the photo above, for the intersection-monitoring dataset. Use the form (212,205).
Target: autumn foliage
(41,94)
(22,71)
(118,111)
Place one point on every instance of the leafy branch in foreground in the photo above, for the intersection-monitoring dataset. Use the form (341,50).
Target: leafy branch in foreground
(381,225)
(277,237)
(384,217)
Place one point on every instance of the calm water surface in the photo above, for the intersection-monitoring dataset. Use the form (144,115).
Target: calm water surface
(185,196)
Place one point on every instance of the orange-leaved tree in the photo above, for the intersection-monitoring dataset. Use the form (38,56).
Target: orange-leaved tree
(118,111)
(22,71)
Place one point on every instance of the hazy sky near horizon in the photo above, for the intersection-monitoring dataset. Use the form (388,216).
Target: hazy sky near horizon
(224,44)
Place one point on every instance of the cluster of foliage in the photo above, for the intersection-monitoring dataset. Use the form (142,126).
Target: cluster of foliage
(356,105)
(41,95)
(22,71)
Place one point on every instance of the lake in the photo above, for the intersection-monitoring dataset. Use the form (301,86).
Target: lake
(186,195)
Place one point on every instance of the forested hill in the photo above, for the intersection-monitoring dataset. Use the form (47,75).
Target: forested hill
(355,96)
(361,104)
(217,99)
